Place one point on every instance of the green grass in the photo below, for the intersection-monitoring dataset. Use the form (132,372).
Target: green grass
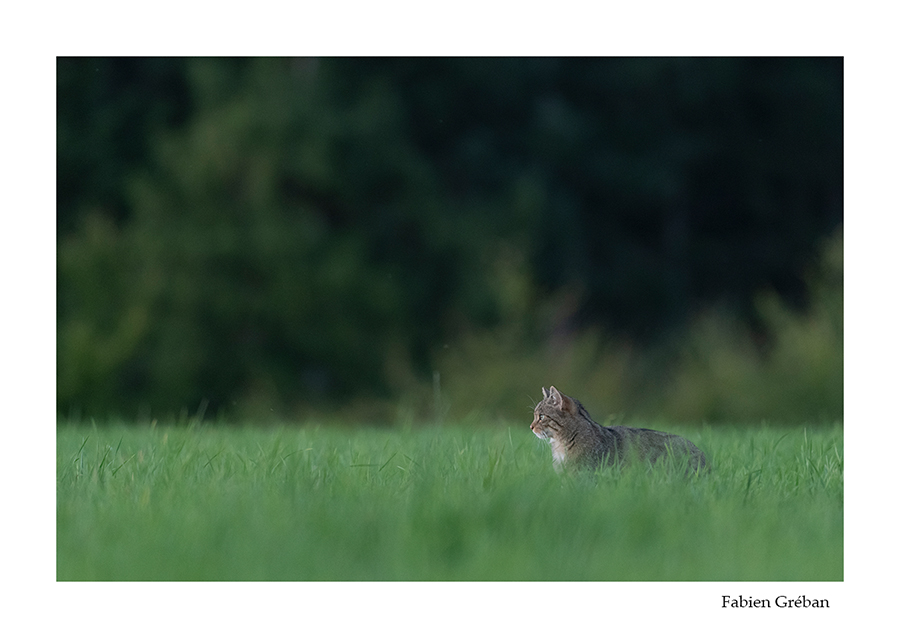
(451,503)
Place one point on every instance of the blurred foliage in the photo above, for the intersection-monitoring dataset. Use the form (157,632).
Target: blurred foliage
(260,236)
(792,370)
(788,369)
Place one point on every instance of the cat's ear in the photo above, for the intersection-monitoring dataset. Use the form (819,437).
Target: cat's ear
(553,398)
(558,398)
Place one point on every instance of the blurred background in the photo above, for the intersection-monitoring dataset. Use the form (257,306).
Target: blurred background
(422,240)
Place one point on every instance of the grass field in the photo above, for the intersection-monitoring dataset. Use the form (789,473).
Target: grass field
(449,503)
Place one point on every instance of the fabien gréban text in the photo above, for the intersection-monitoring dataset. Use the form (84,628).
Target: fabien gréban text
(783,602)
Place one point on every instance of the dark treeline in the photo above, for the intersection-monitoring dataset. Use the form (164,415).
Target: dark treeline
(286,230)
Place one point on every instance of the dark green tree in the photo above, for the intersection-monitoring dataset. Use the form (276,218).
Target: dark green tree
(275,231)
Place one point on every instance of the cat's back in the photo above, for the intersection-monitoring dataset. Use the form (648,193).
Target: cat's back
(651,445)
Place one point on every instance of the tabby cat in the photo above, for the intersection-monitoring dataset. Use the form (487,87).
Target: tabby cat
(577,440)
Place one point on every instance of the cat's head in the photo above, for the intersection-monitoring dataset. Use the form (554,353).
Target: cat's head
(552,414)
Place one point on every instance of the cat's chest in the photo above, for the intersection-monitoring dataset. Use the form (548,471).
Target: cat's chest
(560,453)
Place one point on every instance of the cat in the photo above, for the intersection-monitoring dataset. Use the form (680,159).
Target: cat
(578,441)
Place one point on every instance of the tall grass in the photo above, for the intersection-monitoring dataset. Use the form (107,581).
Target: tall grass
(449,503)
